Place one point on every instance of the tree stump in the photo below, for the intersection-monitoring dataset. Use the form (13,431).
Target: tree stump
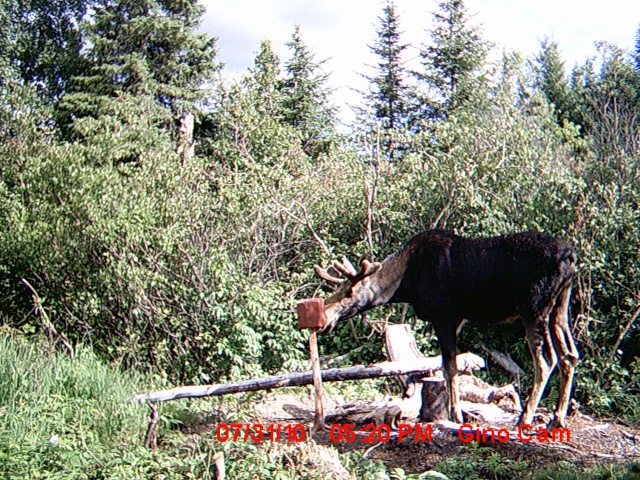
(434,400)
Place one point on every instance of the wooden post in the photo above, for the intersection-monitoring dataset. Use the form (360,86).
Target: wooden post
(317,380)
(218,463)
(311,315)
(151,438)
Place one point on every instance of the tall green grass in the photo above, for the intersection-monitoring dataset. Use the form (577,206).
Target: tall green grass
(66,417)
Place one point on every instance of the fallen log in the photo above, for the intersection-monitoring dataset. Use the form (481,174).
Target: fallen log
(360,372)
(504,361)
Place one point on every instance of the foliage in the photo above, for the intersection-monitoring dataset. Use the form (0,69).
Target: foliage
(484,171)
(607,217)
(147,278)
(566,471)
(64,417)
(265,83)
(147,69)
(388,96)
(608,101)
(551,80)
(42,41)
(451,62)
(305,95)
(477,462)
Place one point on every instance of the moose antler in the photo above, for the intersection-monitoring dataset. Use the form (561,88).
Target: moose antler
(368,268)
(345,268)
(325,275)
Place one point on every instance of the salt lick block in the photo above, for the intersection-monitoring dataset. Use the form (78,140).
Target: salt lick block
(311,313)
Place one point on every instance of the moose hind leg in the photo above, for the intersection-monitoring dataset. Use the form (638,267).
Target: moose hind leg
(446,333)
(566,352)
(451,375)
(544,360)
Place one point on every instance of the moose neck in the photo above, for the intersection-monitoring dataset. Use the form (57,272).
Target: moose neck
(386,282)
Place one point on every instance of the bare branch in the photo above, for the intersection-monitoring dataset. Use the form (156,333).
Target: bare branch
(306,222)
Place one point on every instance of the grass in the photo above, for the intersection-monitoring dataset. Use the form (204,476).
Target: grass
(65,417)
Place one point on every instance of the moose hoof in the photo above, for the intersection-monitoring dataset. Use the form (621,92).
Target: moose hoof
(557,423)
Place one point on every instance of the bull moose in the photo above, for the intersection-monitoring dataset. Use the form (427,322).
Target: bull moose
(448,278)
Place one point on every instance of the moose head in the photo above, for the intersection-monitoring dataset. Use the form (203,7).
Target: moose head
(355,291)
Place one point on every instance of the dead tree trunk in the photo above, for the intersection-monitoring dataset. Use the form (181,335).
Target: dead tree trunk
(428,396)
(186,145)
(401,346)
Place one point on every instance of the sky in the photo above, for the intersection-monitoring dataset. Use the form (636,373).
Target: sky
(340,31)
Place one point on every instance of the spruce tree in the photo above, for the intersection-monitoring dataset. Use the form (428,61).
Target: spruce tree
(386,101)
(388,91)
(451,61)
(305,96)
(264,80)
(552,81)
(41,40)
(148,67)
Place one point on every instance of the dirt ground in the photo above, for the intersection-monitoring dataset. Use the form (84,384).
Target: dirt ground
(589,439)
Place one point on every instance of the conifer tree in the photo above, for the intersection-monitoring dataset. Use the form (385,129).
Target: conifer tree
(264,79)
(41,40)
(148,67)
(305,95)
(450,62)
(388,91)
(386,102)
(553,83)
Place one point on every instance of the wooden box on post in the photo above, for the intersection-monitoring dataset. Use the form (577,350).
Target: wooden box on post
(311,315)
